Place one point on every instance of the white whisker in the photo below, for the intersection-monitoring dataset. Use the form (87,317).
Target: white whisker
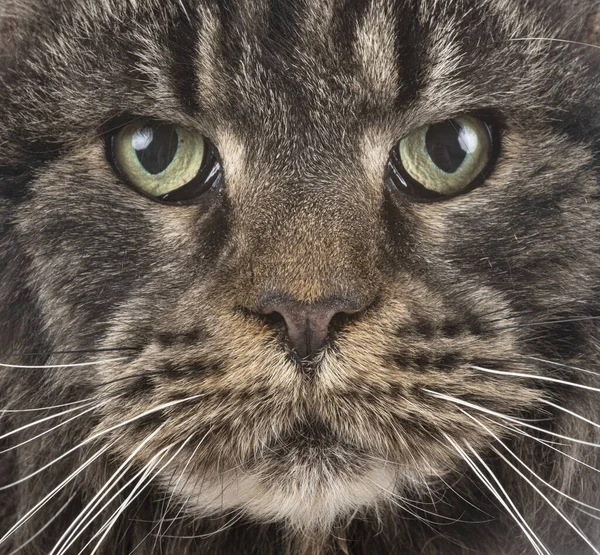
(71,531)
(430,523)
(552,506)
(139,478)
(543,442)
(114,496)
(578,416)
(462,498)
(562,365)
(50,495)
(121,490)
(50,430)
(577,501)
(226,526)
(183,8)
(142,484)
(50,521)
(402,502)
(175,487)
(502,496)
(45,419)
(547,442)
(36,409)
(549,39)
(535,377)
(100,434)
(596,517)
(505,417)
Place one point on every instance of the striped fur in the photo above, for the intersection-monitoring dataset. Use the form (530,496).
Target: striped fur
(304,100)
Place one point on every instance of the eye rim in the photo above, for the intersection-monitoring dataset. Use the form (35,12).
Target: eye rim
(400,180)
(208,178)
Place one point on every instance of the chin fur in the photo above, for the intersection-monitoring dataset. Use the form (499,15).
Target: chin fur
(309,504)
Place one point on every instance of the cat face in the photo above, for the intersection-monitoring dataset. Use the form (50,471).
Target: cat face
(305,337)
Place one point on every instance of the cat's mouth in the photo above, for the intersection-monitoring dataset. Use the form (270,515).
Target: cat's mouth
(311,443)
(309,476)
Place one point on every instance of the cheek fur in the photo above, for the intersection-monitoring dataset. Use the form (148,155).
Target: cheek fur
(306,360)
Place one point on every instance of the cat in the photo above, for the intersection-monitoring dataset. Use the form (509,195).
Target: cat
(305,277)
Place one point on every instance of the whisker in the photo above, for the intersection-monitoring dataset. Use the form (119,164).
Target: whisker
(524,465)
(119,492)
(139,477)
(90,399)
(552,506)
(546,442)
(226,526)
(46,419)
(572,413)
(547,39)
(50,521)
(462,498)
(505,417)
(546,323)
(144,374)
(193,454)
(69,352)
(100,434)
(142,484)
(497,481)
(52,493)
(536,377)
(588,514)
(69,535)
(562,365)
(184,10)
(39,409)
(554,308)
(49,430)
(543,442)
(402,501)
(403,506)
(479,509)
(123,488)
(97,385)
(502,496)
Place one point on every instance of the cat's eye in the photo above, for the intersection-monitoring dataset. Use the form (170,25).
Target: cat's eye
(164,161)
(444,159)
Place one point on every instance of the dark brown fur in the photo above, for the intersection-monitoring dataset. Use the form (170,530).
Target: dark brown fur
(304,100)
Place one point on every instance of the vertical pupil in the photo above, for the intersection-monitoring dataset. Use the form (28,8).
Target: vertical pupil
(446,146)
(155,146)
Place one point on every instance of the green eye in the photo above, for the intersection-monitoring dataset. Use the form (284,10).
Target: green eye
(164,161)
(443,159)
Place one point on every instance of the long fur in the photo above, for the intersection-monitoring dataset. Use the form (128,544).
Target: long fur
(479,335)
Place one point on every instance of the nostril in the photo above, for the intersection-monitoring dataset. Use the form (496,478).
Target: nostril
(275,322)
(308,325)
(341,321)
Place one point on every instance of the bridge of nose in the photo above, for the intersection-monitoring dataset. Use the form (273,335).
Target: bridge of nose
(314,256)
(309,241)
